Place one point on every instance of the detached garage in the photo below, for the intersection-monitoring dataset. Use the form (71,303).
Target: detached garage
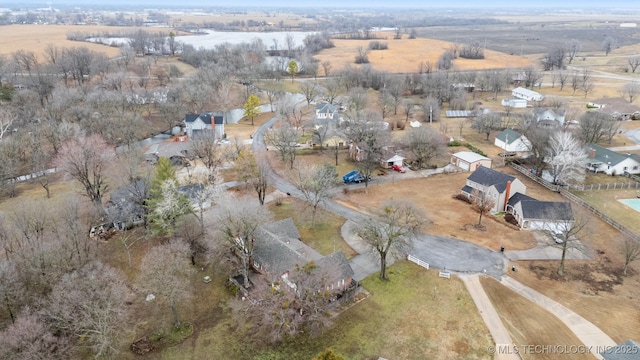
(533,214)
(469,161)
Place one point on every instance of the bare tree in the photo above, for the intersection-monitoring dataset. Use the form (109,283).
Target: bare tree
(358,100)
(11,289)
(631,91)
(316,183)
(285,139)
(294,113)
(573,48)
(86,159)
(205,148)
(634,62)
(326,66)
(386,104)
(300,304)
(631,252)
(408,106)
(254,169)
(333,88)
(90,304)
(310,91)
(486,123)
(6,120)
(424,144)
(532,77)
(596,126)
(165,273)
(30,338)
(482,203)
(239,220)
(390,233)
(538,140)
(608,44)
(566,158)
(567,229)
(167,207)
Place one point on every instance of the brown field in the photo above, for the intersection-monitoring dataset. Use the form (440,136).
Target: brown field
(404,55)
(529,323)
(37,37)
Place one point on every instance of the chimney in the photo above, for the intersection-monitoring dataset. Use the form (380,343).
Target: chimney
(592,153)
(507,192)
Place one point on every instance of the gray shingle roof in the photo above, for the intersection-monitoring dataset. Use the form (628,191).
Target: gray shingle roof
(206,118)
(489,177)
(628,350)
(546,210)
(509,136)
(285,227)
(336,262)
(604,155)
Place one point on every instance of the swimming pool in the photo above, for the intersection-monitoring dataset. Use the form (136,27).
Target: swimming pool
(632,203)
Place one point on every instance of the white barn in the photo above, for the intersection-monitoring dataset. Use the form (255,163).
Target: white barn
(526,94)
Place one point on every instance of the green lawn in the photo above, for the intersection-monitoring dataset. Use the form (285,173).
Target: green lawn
(415,315)
(607,202)
(324,237)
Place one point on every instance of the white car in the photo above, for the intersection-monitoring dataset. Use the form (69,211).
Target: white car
(557,237)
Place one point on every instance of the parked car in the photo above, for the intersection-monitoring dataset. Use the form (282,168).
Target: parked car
(398,168)
(557,237)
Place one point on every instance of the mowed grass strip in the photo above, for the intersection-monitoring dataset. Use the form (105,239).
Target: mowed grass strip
(325,236)
(415,315)
(530,324)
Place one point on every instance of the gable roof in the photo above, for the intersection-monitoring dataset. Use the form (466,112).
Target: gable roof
(546,210)
(325,107)
(615,105)
(204,117)
(628,350)
(603,155)
(548,114)
(337,263)
(470,156)
(489,177)
(508,136)
(285,227)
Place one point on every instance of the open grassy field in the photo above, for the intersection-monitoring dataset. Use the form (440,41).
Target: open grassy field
(416,315)
(529,323)
(607,202)
(404,55)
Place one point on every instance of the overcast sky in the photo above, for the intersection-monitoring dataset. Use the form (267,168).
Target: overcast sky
(507,5)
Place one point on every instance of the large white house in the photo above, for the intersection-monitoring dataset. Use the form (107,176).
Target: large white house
(194,124)
(497,186)
(603,160)
(512,141)
(526,94)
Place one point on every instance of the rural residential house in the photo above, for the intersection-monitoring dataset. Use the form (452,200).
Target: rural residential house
(533,214)
(498,186)
(325,110)
(196,123)
(512,141)
(603,160)
(526,94)
(278,250)
(469,161)
(549,118)
(617,107)
(390,157)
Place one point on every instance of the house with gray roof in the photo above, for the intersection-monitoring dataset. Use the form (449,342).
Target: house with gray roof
(278,250)
(498,186)
(628,350)
(195,124)
(549,118)
(603,160)
(510,140)
(533,214)
(324,110)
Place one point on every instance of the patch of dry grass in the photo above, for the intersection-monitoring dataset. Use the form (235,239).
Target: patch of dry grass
(529,323)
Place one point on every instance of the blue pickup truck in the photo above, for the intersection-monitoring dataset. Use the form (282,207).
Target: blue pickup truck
(353,176)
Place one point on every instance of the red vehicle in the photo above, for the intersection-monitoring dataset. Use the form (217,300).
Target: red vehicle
(398,168)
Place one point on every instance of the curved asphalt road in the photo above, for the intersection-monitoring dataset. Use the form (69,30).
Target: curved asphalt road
(440,252)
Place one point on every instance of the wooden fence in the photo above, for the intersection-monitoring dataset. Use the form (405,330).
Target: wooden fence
(616,186)
(577,200)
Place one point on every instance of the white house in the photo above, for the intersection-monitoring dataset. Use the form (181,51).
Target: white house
(603,160)
(549,118)
(325,111)
(512,141)
(388,161)
(497,186)
(469,161)
(195,123)
(533,214)
(526,94)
